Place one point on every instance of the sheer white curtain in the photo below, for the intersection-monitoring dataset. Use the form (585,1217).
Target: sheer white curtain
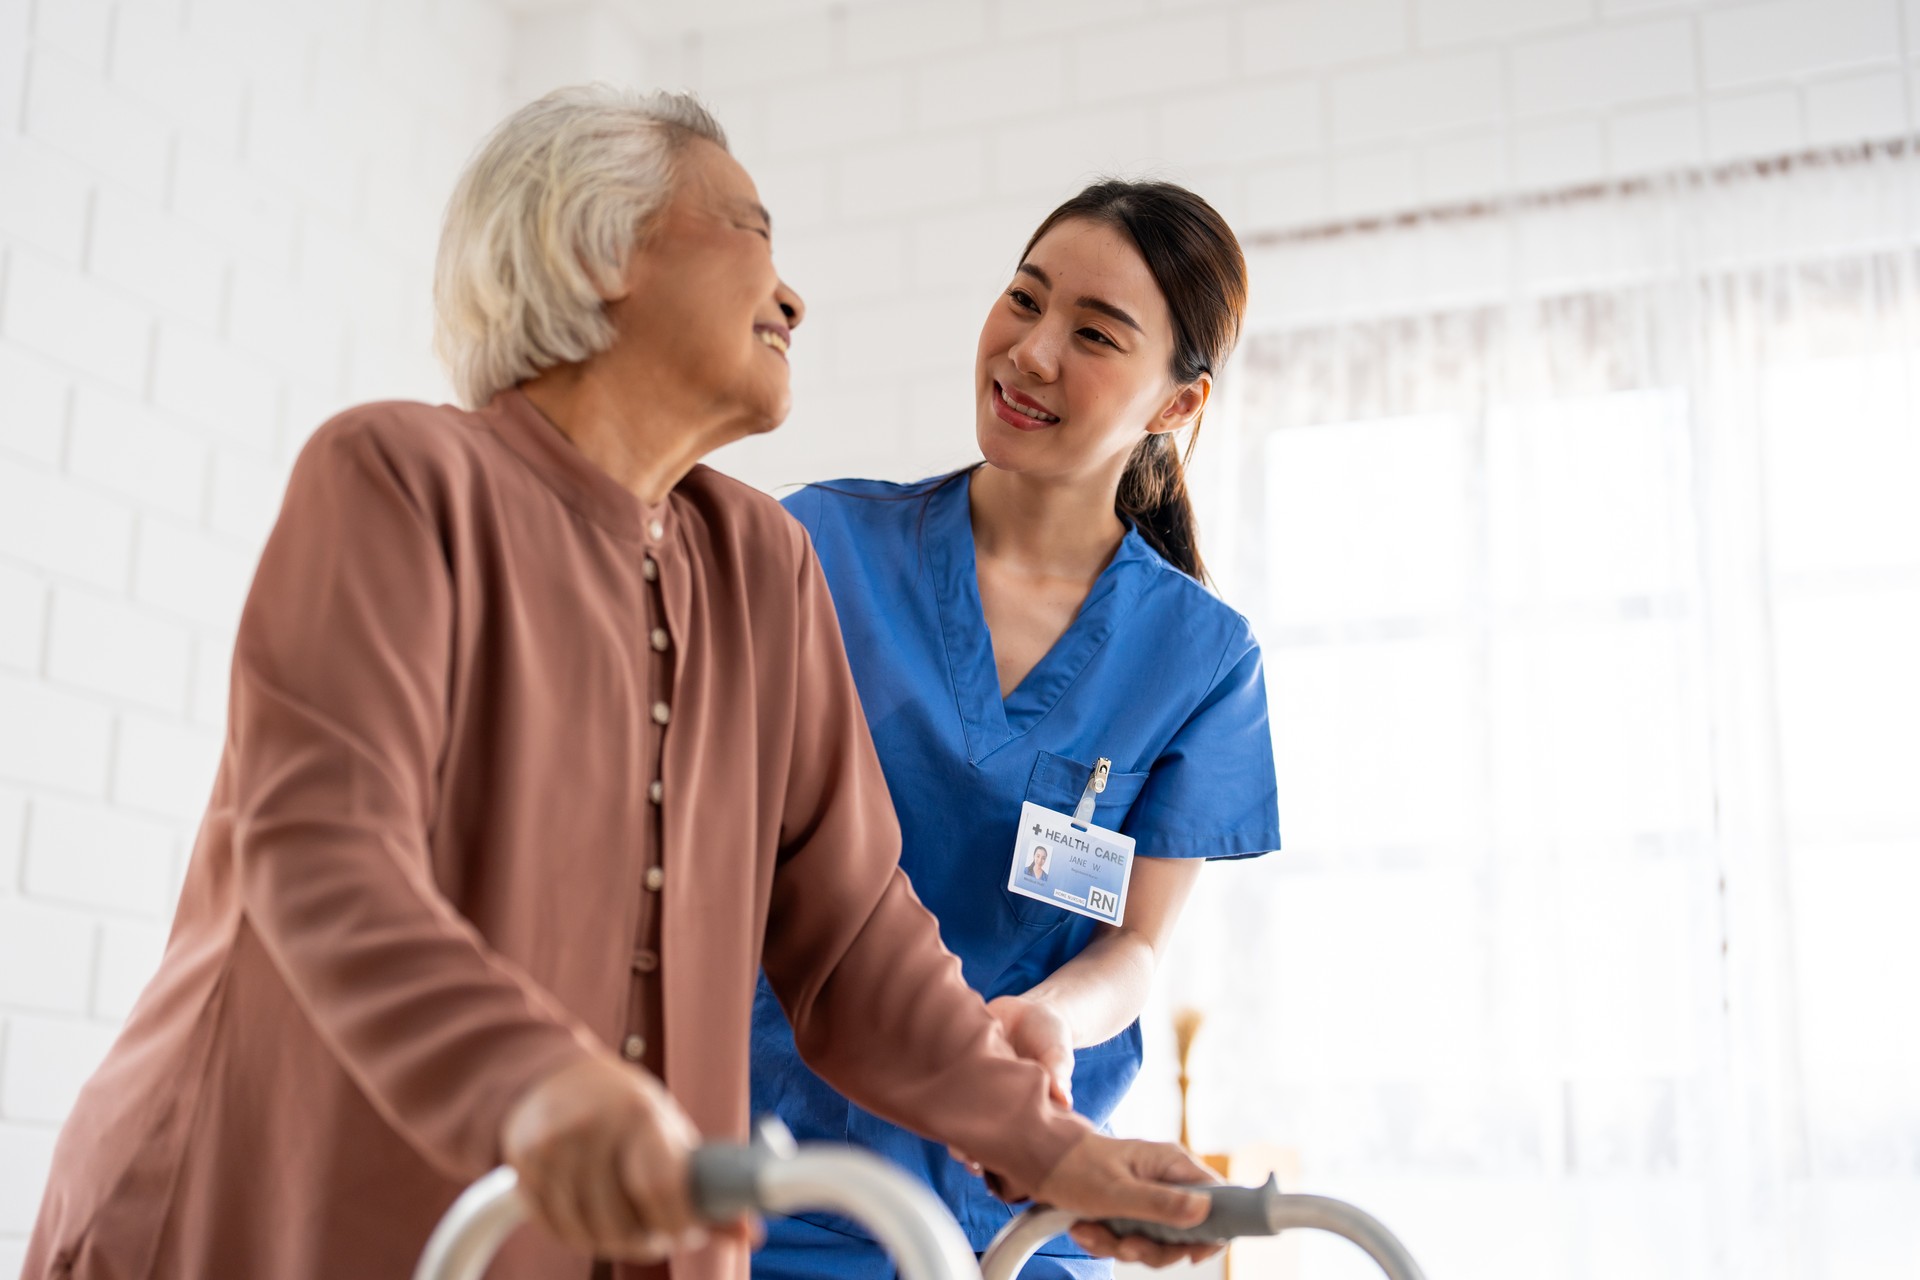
(1583,537)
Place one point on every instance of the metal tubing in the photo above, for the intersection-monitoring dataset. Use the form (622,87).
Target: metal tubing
(1365,1230)
(903,1214)
(911,1223)
(473,1229)
(1021,1238)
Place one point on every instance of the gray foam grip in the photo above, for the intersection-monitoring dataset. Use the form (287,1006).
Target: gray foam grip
(726,1181)
(1236,1211)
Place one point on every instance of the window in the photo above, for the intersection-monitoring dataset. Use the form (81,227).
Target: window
(1590,597)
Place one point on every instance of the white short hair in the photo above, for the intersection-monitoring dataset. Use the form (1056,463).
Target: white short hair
(541,224)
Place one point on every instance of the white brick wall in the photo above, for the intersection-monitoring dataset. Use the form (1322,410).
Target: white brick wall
(54,741)
(73,318)
(44,203)
(1413,96)
(216,229)
(1306,37)
(67,528)
(46,956)
(1756,123)
(1611,67)
(118,443)
(1781,39)
(109,646)
(88,856)
(26,1150)
(48,1059)
(957,125)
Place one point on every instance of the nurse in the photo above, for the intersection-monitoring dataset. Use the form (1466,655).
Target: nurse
(1030,635)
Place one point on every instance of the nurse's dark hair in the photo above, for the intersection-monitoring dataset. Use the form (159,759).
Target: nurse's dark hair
(1196,260)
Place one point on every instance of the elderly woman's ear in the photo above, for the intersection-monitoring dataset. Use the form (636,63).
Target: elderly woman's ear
(614,288)
(532,251)
(617,282)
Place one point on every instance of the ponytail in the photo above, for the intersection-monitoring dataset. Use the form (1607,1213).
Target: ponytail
(1153,495)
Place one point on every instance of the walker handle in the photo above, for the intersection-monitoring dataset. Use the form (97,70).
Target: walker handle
(1236,1211)
(771,1176)
(725,1176)
(1233,1212)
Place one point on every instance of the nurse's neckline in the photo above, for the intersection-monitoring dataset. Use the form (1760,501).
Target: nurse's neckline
(1011,541)
(992,719)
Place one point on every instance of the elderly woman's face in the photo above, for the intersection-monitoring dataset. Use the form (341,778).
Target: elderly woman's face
(705,310)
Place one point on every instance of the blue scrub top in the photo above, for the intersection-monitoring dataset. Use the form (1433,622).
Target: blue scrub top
(1155,674)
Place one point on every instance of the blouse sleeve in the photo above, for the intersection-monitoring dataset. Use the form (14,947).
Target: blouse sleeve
(338,716)
(878,1006)
(1212,792)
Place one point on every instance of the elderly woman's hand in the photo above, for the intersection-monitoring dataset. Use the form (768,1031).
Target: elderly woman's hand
(1104,1177)
(602,1152)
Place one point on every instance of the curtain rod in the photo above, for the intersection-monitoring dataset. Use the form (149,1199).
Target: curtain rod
(1850,153)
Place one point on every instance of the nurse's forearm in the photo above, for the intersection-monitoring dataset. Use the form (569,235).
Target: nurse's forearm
(1102,990)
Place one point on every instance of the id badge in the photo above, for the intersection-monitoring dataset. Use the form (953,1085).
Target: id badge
(1066,861)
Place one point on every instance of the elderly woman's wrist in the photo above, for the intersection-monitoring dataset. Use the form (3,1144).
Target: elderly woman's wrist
(524,1081)
(1044,1147)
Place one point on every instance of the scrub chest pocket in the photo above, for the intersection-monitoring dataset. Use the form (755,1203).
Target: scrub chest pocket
(1057,782)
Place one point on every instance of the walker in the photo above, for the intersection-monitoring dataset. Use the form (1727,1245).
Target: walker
(775,1177)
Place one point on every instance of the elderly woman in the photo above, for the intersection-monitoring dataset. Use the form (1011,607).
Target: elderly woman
(541,743)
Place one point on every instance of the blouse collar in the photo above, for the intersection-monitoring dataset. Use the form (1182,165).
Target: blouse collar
(579,483)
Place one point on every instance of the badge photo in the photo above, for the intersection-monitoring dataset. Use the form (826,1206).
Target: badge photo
(1065,861)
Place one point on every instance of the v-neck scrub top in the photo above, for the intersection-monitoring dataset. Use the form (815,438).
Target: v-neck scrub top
(1155,674)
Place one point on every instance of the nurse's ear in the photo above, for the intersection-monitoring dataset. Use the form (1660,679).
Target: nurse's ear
(1185,408)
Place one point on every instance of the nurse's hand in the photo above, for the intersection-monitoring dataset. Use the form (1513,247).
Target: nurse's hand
(602,1152)
(1039,1034)
(1106,1177)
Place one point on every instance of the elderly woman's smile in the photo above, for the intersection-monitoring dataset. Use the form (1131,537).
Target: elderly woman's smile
(777,336)
(703,304)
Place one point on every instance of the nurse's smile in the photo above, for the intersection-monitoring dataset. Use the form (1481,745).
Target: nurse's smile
(1020,411)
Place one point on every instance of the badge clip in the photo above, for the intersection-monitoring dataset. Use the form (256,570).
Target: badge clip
(1096,783)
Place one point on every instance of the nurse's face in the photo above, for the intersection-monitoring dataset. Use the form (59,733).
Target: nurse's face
(705,317)
(1074,359)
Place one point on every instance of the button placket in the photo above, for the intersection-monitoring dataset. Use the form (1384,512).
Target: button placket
(646,959)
